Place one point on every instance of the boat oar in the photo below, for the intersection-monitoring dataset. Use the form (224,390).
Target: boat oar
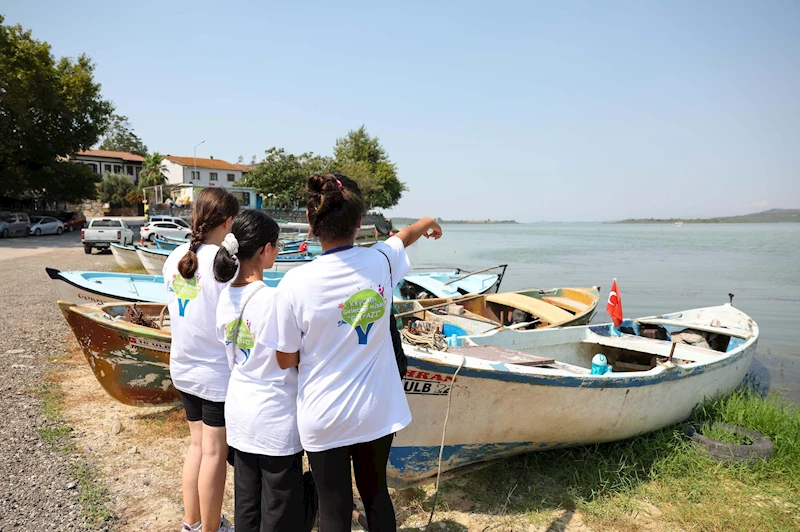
(439,305)
(475,272)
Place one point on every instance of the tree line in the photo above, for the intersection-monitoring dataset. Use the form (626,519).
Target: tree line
(51,108)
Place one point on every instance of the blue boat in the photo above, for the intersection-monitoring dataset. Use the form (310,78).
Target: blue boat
(166,245)
(81,287)
(449,284)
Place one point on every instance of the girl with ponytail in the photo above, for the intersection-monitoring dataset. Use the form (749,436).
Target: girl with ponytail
(331,320)
(198,363)
(260,408)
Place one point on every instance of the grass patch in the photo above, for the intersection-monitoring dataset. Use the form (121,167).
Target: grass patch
(660,476)
(92,495)
(168,423)
(723,435)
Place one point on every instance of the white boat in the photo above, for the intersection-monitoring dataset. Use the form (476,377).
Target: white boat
(152,259)
(126,256)
(518,392)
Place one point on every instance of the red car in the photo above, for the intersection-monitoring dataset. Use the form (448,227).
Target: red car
(72,220)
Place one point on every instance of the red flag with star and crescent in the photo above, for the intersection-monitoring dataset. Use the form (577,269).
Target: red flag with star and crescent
(614,306)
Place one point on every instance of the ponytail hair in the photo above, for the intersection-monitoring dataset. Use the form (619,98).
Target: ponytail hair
(335,206)
(211,208)
(251,230)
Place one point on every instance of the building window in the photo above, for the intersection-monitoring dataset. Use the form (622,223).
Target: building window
(93,167)
(138,171)
(107,168)
(231,178)
(195,175)
(117,168)
(212,176)
(130,170)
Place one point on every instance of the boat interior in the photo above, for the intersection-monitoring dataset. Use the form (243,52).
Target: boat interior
(640,347)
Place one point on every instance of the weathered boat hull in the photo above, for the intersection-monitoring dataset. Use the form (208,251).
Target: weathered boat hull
(166,245)
(130,362)
(501,410)
(152,261)
(126,256)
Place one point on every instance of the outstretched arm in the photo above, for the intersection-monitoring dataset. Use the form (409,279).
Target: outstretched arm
(426,227)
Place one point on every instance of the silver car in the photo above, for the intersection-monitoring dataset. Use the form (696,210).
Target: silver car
(14,224)
(46,225)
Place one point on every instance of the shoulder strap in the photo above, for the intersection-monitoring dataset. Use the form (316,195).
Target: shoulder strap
(241,314)
(391,280)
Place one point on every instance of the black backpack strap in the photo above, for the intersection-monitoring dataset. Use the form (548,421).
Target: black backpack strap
(391,279)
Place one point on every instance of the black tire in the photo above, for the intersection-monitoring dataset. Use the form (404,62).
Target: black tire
(37,232)
(761,447)
(59,230)
(5,233)
(151,237)
(87,250)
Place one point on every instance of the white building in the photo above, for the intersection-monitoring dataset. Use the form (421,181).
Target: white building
(111,162)
(202,172)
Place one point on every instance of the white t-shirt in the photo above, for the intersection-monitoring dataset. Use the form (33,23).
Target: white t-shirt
(261,406)
(197,361)
(335,311)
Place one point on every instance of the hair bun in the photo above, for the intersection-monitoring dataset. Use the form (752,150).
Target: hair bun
(316,184)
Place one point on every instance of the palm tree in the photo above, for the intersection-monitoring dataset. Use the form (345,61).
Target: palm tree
(153,170)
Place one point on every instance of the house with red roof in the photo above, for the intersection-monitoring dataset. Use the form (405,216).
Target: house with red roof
(110,162)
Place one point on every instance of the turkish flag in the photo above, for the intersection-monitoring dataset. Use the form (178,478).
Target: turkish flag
(614,306)
(303,247)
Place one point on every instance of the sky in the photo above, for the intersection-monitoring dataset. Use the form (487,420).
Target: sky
(557,111)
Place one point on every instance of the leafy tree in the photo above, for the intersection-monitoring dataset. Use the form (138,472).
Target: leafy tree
(48,109)
(367,161)
(119,136)
(114,188)
(153,169)
(282,176)
(134,197)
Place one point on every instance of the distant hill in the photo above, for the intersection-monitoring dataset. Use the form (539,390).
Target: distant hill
(766,217)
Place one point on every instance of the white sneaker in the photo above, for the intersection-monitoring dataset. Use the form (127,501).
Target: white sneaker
(225,525)
(197,527)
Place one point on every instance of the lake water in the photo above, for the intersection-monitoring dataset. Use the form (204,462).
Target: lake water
(659,268)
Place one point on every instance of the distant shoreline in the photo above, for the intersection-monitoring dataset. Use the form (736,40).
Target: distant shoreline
(770,216)
(406,221)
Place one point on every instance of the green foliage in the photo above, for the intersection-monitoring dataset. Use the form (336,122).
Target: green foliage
(153,169)
(119,136)
(282,176)
(114,188)
(49,109)
(363,159)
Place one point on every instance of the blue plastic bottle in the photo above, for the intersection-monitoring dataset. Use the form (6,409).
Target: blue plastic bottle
(600,365)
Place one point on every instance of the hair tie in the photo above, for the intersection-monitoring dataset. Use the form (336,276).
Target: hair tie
(231,244)
(339,184)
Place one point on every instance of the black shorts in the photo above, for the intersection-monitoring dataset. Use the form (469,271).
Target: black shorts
(199,409)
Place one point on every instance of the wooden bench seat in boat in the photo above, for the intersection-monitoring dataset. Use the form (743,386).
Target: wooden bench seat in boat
(500,354)
(566,303)
(547,312)
(658,348)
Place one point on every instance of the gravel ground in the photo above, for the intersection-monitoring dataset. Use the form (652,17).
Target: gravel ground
(36,491)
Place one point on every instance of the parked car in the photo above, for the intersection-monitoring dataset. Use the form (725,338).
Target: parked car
(174,219)
(101,232)
(72,220)
(151,230)
(14,224)
(45,225)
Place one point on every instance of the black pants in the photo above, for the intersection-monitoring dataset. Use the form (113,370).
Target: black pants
(331,470)
(269,493)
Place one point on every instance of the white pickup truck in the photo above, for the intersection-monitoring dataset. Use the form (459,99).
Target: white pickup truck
(101,232)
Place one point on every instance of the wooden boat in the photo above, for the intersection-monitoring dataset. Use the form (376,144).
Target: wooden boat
(518,392)
(131,362)
(511,392)
(449,283)
(301,228)
(126,256)
(526,309)
(174,239)
(82,287)
(152,259)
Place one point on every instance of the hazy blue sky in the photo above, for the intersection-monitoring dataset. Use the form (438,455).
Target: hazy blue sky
(535,111)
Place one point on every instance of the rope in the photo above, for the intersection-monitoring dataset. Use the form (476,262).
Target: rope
(431,339)
(444,433)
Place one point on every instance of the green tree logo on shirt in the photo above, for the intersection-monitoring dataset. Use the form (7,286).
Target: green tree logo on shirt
(185,290)
(245,340)
(362,310)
